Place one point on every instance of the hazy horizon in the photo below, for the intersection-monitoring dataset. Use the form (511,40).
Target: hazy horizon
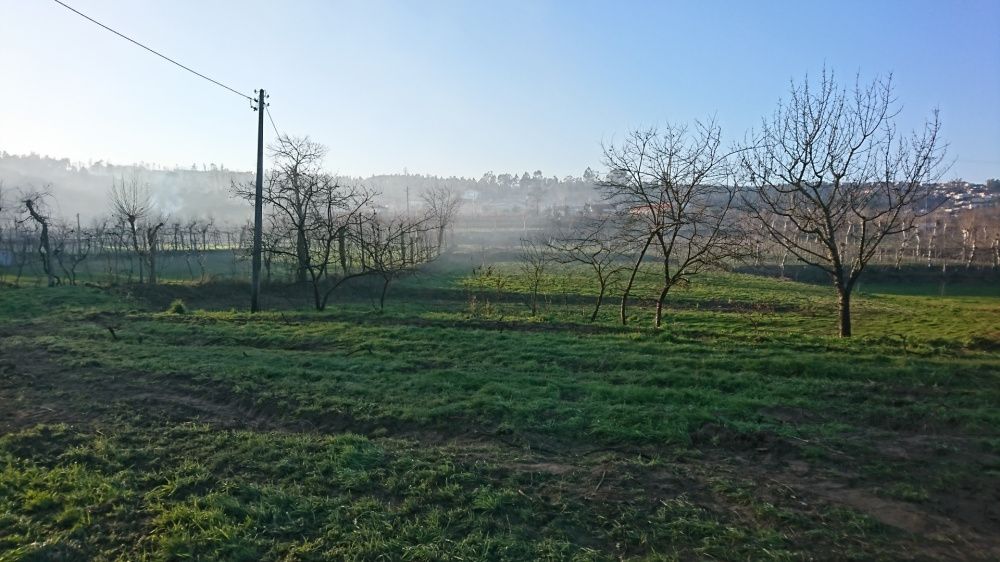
(456,89)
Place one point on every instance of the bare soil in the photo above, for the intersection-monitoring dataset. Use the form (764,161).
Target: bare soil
(963,525)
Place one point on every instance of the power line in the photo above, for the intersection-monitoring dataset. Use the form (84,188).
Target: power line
(267,108)
(161,55)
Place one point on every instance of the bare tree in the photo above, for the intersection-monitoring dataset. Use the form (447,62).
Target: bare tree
(198,244)
(331,233)
(152,247)
(595,243)
(831,163)
(991,234)
(673,194)
(391,247)
(995,251)
(975,227)
(332,213)
(6,231)
(442,204)
(131,205)
(292,189)
(19,241)
(535,258)
(3,216)
(34,204)
(71,248)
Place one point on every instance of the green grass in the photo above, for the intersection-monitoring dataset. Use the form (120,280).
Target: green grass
(456,425)
(253,496)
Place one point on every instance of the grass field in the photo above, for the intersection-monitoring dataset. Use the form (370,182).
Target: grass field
(454,425)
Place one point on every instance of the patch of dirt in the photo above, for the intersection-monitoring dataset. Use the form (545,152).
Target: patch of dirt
(34,389)
(790,415)
(985,342)
(194,408)
(975,501)
(758,443)
(961,524)
(953,539)
(497,325)
(612,481)
(555,468)
(213,294)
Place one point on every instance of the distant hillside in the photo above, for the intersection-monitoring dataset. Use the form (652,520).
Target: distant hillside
(84,189)
(204,191)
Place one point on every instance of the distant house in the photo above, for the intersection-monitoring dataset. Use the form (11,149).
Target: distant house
(470,195)
(558,211)
(599,208)
(6,258)
(661,208)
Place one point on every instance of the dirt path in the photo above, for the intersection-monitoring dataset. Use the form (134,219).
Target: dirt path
(35,389)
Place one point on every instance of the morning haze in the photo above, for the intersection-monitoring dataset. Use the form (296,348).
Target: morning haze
(499,281)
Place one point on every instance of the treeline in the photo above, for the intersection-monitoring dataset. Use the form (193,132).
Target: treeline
(81,189)
(826,181)
(325,232)
(203,192)
(318,231)
(131,243)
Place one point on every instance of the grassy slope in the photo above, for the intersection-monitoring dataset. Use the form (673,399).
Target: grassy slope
(488,433)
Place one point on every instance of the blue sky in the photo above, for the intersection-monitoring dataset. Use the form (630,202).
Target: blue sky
(462,87)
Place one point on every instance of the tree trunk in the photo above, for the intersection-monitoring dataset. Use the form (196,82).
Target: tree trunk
(631,279)
(153,241)
(46,254)
(139,256)
(342,248)
(138,253)
(44,249)
(302,253)
(659,304)
(385,288)
(600,300)
(534,297)
(152,262)
(21,262)
(318,300)
(844,305)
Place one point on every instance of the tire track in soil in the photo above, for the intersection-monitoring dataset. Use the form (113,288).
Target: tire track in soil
(36,389)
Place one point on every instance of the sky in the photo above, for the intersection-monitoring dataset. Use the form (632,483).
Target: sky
(463,87)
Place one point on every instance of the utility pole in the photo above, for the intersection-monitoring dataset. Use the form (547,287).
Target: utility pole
(258,208)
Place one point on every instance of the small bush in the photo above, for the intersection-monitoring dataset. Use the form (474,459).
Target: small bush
(177,307)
